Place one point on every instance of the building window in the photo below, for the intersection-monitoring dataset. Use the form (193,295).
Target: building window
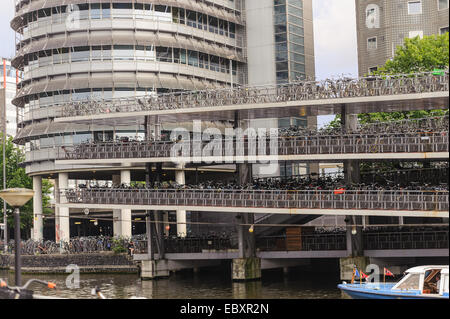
(415,7)
(443,30)
(413,34)
(373,69)
(442,4)
(372,43)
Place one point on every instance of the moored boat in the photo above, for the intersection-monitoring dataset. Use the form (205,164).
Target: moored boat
(423,282)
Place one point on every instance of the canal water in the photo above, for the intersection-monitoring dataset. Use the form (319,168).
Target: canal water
(206,284)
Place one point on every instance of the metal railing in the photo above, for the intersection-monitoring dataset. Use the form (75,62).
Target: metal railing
(372,240)
(315,242)
(407,200)
(297,145)
(406,240)
(296,91)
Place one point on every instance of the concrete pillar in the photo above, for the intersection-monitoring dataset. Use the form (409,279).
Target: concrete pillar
(349,122)
(349,263)
(38,222)
(63,228)
(180,178)
(246,269)
(166,223)
(352,175)
(57,200)
(154,269)
(313,168)
(122,217)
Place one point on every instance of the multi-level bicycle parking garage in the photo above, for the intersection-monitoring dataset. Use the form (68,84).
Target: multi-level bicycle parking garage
(412,140)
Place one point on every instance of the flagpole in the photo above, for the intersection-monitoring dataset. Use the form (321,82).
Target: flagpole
(353,277)
(360,277)
(384,276)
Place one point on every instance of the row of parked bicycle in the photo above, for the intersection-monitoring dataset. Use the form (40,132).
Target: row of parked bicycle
(210,240)
(296,91)
(408,127)
(294,183)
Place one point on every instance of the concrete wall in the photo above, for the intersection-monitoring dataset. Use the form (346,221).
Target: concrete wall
(260,42)
(102,262)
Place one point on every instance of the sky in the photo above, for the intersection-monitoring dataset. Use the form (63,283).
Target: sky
(334,36)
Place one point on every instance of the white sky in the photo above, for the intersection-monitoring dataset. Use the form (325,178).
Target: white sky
(334,36)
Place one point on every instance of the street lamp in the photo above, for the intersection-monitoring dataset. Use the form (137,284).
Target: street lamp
(17,197)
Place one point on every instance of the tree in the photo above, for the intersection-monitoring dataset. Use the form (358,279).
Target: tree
(16,177)
(419,55)
(416,55)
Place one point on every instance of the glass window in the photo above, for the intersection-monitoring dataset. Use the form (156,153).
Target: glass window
(214,63)
(191,17)
(296,11)
(295,20)
(193,58)
(296,67)
(95,11)
(413,34)
(281,55)
(282,66)
(297,39)
(124,52)
(80,54)
(280,9)
(96,53)
(443,4)
(372,43)
(443,30)
(106,52)
(295,29)
(280,19)
(415,7)
(106,10)
(164,54)
(280,37)
(411,282)
(297,48)
(298,57)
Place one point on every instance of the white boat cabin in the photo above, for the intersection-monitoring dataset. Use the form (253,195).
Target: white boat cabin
(427,280)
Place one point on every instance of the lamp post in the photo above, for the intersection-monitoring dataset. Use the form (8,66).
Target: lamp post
(17,197)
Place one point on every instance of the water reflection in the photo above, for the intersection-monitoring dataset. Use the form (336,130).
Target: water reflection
(214,284)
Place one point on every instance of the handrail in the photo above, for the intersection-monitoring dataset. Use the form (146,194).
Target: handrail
(409,200)
(329,89)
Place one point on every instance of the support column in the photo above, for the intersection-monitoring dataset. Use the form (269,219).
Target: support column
(63,228)
(38,222)
(349,122)
(313,168)
(154,269)
(180,178)
(347,264)
(247,267)
(122,217)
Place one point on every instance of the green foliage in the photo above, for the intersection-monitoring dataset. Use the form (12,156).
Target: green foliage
(419,55)
(416,55)
(16,177)
(118,247)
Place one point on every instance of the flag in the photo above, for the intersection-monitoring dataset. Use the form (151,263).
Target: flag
(339,191)
(388,273)
(356,273)
(364,276)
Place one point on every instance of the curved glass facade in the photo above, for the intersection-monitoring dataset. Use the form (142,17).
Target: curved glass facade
(117,43)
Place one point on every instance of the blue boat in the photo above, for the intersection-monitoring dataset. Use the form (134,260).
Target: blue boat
(424,282)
